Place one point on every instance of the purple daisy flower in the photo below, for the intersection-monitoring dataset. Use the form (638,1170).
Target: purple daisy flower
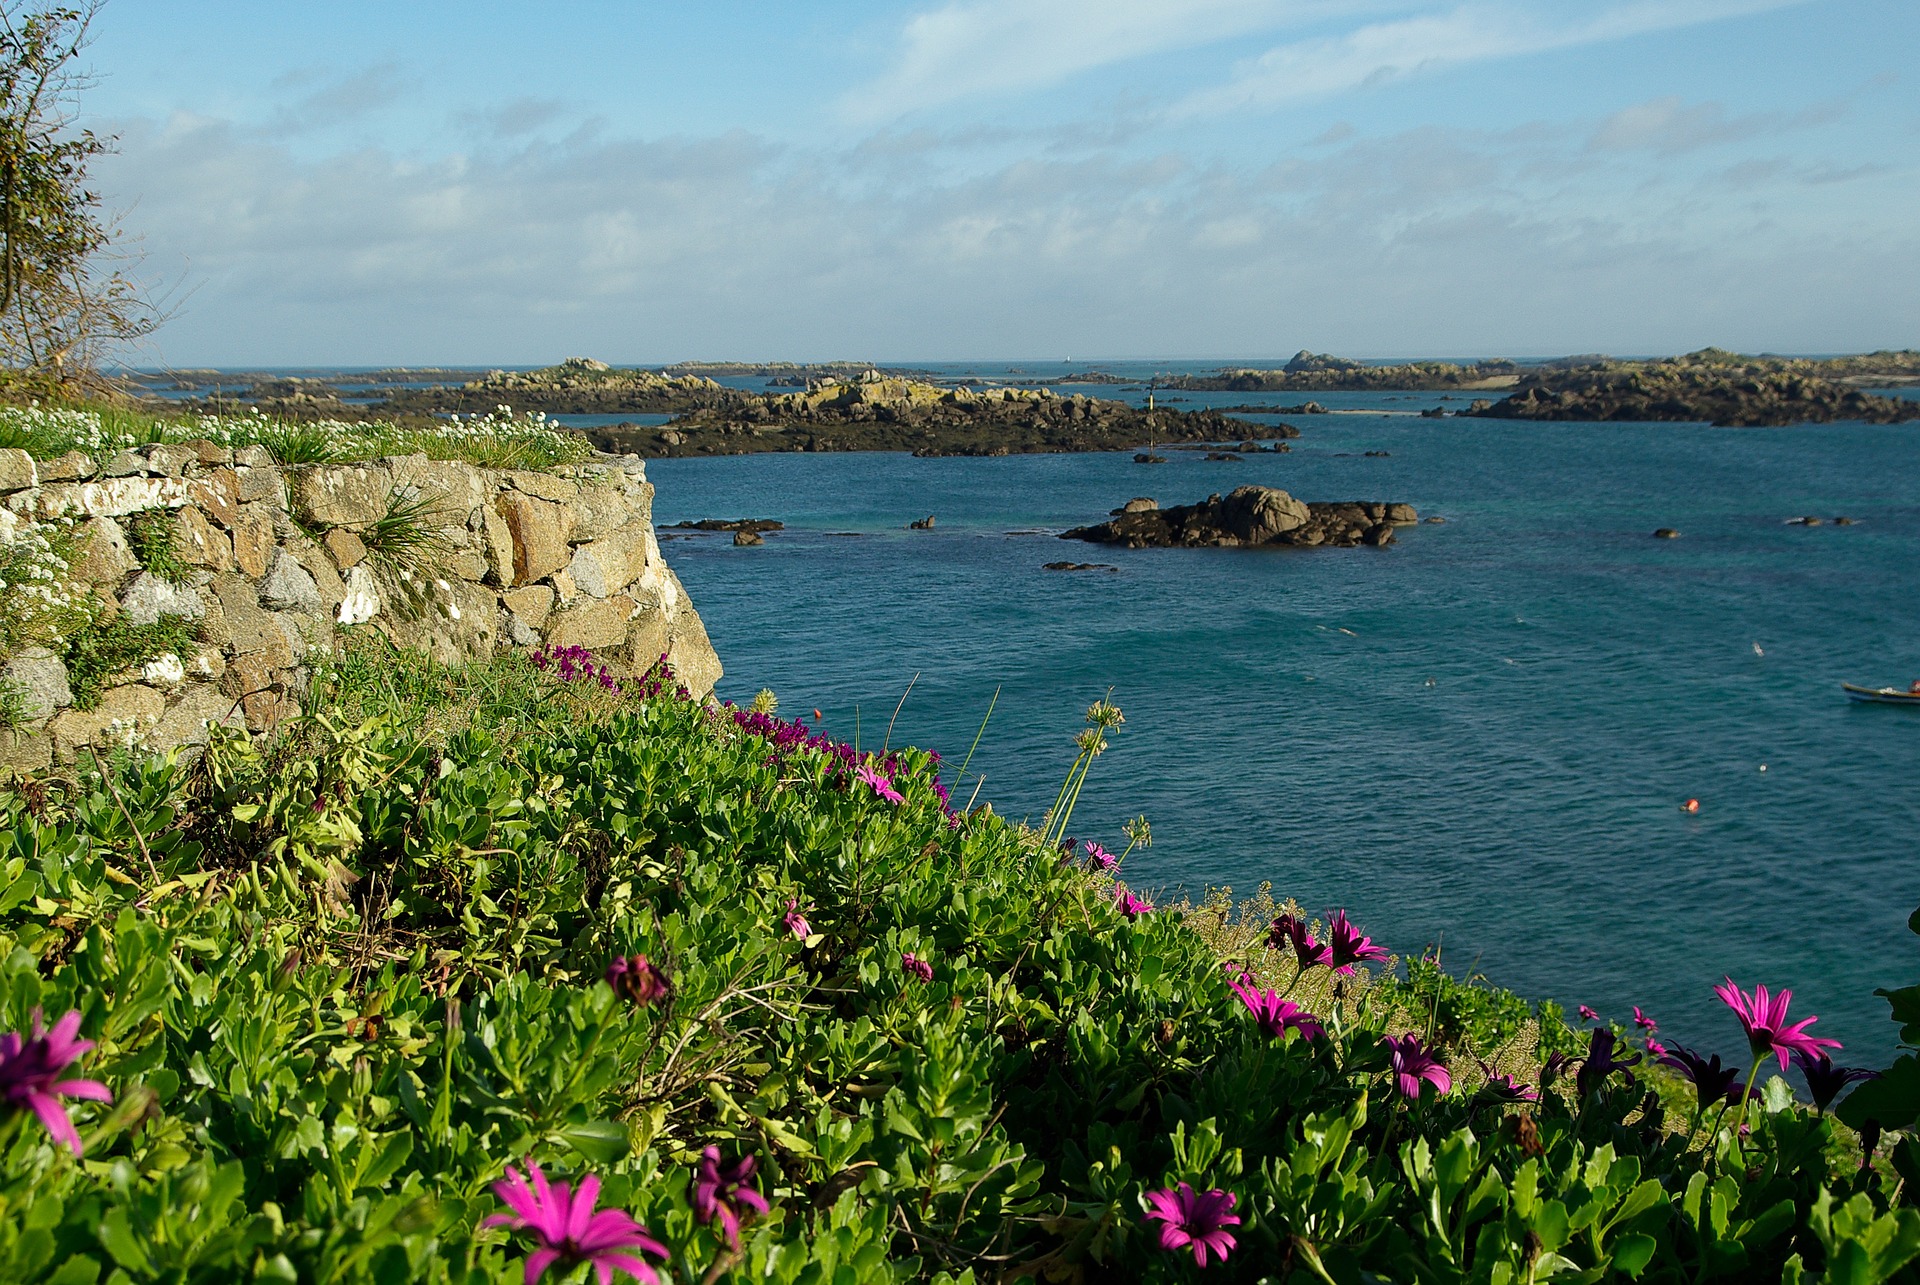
(1764,1018)
(569,1230)
(1196,1220)
(796,922)
(638,980)
(914,966)
(721,1191)
(1276,1016)
(1129,905)
(1711,1081)
(1100,858)
(1824,1079)
(31,1071)
(1348,945)
(879,783)
(1601,1062)
(1413,1064)
(1289,931)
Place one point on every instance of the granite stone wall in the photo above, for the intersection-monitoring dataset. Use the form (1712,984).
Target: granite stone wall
(447,558)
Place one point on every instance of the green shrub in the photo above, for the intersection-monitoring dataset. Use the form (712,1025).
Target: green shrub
(102,651)
(340,981)
(151,535)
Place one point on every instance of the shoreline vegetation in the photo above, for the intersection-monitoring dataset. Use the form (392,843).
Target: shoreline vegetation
(390,993)
(850,406)
(509,970)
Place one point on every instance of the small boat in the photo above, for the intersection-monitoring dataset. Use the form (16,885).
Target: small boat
(1882,695)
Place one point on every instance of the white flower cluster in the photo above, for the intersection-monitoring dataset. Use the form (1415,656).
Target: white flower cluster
(38,602)
(47,431)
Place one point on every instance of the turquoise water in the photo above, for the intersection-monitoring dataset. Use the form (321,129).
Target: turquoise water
(1479,737)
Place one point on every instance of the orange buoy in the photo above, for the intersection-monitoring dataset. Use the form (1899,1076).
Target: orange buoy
(1691,805)
(816,716)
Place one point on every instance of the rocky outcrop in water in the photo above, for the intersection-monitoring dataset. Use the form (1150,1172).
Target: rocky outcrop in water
(879,412)
(1318,372)
(1252,517)
(1708,387)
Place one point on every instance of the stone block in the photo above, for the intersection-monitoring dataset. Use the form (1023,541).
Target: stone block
(314,560)
(105,558)
(207,664)
(218,493)
(268,709)
(164,672)
(464,564)
(447,487)
(499,546)
(17,471)
(124,716)
(253,539)
(185,722)
(114,497)
(540,533)
(149,597)
(167,460)
(70,467)
(289,586)
(210,454)
(199,542)
(41,678)
(260,481)
(596,623)
(545,486)
(346,548)
(692,656)
(362,600)
(24,753)
(255,456)
(533,603)
(343,495)
(604,567)
(124,464)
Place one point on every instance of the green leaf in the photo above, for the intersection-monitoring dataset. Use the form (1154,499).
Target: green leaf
(1633,1253)
(601,1141)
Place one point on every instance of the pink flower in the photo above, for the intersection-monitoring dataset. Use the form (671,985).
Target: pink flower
(796,922)
(1588,1015)
(1196,1219)
(1504,1088)
(1349,946)
(1412,1064)
(881,785)
(570,1231)
(638,980)
(916,967)
(1289,930)
(1655,1048)
(30,1072)
(1129,905)
(1274,1015)
(1099,856)
(721,1191)
(1765,1019)
(1644,1022)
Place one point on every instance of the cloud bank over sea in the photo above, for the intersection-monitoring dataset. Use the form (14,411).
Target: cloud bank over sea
(1208,177)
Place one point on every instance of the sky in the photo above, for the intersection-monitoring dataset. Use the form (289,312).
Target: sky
(490,183)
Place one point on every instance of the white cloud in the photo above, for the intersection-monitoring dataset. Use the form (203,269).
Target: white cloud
(1433,240)
(1381,52)
(970,48)
(1670,125)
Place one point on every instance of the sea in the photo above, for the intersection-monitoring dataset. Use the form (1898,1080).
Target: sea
(1477,741)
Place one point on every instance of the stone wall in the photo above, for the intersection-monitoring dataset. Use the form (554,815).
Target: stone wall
(281,559)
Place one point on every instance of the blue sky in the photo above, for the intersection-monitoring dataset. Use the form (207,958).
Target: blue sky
(646,182)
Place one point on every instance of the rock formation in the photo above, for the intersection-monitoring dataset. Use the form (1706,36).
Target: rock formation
(1251,517)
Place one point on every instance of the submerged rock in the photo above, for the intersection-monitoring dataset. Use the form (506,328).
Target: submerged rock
(1252,517)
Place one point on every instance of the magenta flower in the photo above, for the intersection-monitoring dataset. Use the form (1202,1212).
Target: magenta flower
(569,1230)
(1655,1048)
(1348,945)
(1711,1081)
(1601,1062)
(1765,1019)
(1504,1088)
(721,1191)
(1289,931)
(1129,905)
(1276,1016)
(638,980)
(916,967)
(1412,1064)
(796,922)
(881,785)
(1644,1022)
(1824,1079)
(1196,1219)
(30,1072)
(1588,1015)
(1099,856)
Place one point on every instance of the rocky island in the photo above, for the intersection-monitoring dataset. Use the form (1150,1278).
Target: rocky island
(1711,386)
(878,412)
(1249,517)
(1319,372)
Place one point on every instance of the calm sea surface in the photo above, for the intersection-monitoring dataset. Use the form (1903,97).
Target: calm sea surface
(1479,737)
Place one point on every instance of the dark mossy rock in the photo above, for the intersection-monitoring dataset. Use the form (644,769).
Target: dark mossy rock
(1252,517)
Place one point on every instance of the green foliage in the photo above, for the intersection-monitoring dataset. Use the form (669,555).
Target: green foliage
(13,705)
(101,651)
(151,537)
(340,980)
